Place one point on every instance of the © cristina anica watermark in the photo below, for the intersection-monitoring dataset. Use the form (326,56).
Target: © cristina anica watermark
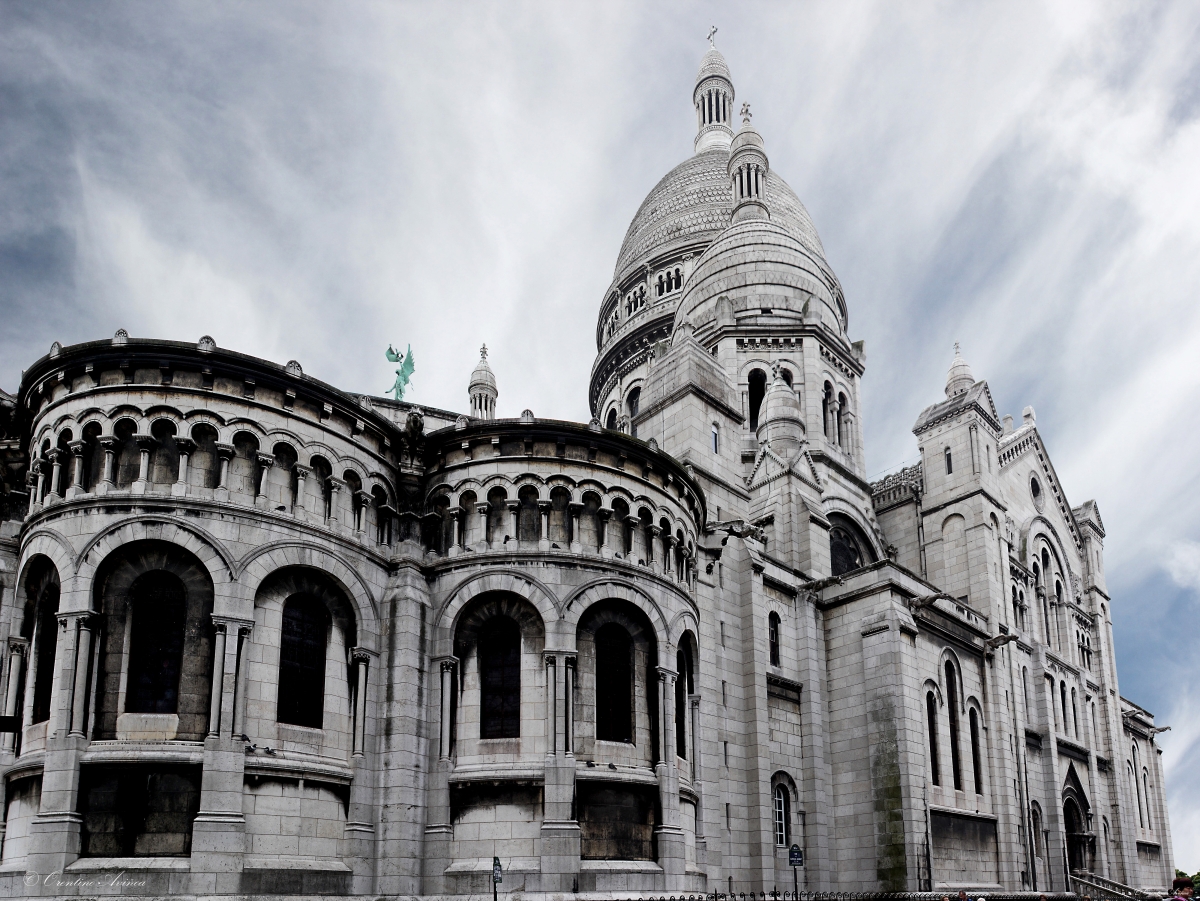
(58,879)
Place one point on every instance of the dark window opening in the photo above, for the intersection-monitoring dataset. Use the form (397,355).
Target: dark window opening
(848,548)
(952,703)
(158,601)
(758,389)
(976,766)
(931,714)
(47,645)
(612,420)
(773,637)
(681,692)
(614,684)
(302,654)
(500,679)
(633,403)
(137,810)
(949,462)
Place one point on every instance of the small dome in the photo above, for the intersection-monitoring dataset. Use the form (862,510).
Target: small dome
(713,64)
(959,378)
(781,418)
(747,136)
(482,377)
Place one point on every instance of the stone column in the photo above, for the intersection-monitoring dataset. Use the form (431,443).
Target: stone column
(302,473)
(38,472)
(18,648)
(225,453)
(83,668)
(652,533)
(145,444)
(265,462)
(218,679)
(671,854)
(569,665)
(835,421)
(544,540)
(235,706)
(76,448)
(514,508)
(551,720)
(457,528)
(186,447)
(54,455)
(449,665)
(482,510)
(365,501)
(335,504)
(632,524)
(603,515)
(361,660)
(109,446)
(668,564)
(573,514)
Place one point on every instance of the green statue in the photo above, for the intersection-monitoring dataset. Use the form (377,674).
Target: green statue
(404,373)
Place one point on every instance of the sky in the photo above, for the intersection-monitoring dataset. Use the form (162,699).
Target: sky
(312,181)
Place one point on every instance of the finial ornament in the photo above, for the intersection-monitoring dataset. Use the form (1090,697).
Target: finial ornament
(746,114)
(956,352)
(712,33)
(483,352)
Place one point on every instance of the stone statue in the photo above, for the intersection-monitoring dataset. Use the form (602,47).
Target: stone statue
(404,373)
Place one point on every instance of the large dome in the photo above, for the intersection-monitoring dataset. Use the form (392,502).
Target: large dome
(693,203)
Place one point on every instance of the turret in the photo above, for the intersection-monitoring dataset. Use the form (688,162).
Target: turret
(747,170)
(482,389)
(713,98)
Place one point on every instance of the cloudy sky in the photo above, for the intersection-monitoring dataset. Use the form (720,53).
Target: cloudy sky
(313,181)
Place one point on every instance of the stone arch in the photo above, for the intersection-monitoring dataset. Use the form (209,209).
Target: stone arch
(446,618)
(1039,525)
(949,656)
(577,603)
(49,543)
(257,565)
(834,505)
(784,778)
(188,536)
(683,623)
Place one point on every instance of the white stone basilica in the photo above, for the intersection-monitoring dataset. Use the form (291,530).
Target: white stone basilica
(263,636)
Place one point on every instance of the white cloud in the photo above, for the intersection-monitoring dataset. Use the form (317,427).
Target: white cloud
(1184,564)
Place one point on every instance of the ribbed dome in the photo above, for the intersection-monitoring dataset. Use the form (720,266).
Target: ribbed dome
(760,264)
(693,204)
(713,64)
(781,418)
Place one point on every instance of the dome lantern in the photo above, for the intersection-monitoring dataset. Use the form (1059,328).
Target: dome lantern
(748,167)
(713,99)
(482,389)
(959,378)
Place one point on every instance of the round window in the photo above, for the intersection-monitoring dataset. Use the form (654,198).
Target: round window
(1035,489)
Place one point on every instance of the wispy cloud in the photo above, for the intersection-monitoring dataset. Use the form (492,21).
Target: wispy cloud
(312,181)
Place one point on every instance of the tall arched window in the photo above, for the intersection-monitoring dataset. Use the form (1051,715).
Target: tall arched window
(1146,792)
(783,819)
(45,646)
(949,461)
(500,679)
(614,687)
(976,761)
(848,547)
(1062,690)
(773,637)
(611,422)
(1075,712)
(757,386)
(683,661)
(633,403)
(159,608)
(827,410)
(303,645)
(932,726)
(952,703)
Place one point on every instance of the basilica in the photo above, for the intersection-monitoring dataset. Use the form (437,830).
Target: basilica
(263,636)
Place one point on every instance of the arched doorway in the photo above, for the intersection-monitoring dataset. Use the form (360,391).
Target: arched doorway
(1076,836)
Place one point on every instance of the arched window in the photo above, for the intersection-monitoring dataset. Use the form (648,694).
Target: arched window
(611,423)
(1062,690)
(159,608)
(827,410)
(683,661)
(949,461)
(932,726)
(500,679)
(848,547)
(976,763)
(952,703)
(660,285)
(1025,689)
(716,438)
(633,402)
(843,429)
(773,637)
(303,644)
(1075,713)
(783,818)
(1146,792)
(614,688)
(757,387)
(45,646)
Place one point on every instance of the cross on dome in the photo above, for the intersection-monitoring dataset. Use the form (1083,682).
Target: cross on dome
(746,114)
(712,33)
(483,352)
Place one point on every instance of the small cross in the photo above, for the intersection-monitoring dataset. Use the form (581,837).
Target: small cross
(712,33)
(956,348)
(746,114)
(483,352)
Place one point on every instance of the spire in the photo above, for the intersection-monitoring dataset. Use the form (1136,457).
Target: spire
(713,99)
(747,168)
(482,390)
(959,378)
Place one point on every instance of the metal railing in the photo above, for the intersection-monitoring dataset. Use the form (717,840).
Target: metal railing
(1100,889)
(776,895)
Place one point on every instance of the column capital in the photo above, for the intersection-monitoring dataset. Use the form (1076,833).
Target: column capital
(54,454)
(76,448)
(108,442)
(483,507)
(336,484)
(86,618)
(665,674)
(604,512)
(226,451)
(265,459)
(18,646)
(570,660)
(145,442)
(301,471)
(365,496)
(448,664)
(229,623)
(545,506)
(185,445)
(550,657)
(363,655)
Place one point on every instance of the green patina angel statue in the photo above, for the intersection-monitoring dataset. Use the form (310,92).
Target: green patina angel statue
(404,373)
